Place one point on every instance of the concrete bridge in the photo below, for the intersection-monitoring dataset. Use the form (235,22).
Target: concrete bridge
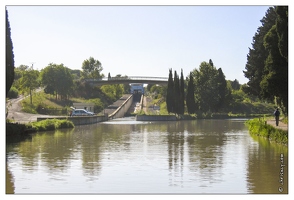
(127,80)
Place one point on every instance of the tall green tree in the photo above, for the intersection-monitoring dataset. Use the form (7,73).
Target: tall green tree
(170,93)
(282,29)
(176,93)
(57,79)
(258,54)
(267,61)
(30,81)
(92,69)
(221,89)
(275,79)
(182,95)
(190,99)
(235,84)
(206,92)
(64,80)
(9,56)
(49,79)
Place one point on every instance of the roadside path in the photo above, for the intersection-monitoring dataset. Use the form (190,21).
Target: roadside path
(15,113)
(282,125)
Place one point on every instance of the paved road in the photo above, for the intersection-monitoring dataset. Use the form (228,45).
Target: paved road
(15,113)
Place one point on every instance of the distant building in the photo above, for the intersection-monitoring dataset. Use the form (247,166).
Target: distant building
(137,88)
(86,106)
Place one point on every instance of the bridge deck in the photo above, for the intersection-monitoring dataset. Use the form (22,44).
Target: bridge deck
(130,79)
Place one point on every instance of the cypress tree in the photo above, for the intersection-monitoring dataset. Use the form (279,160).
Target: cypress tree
(176,93)
(9,57)
(182,94)
(222,89)
(190,99)
(170,93)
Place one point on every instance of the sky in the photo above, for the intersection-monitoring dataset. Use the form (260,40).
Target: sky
(136,40)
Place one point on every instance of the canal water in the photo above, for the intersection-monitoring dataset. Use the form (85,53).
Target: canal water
(124,156)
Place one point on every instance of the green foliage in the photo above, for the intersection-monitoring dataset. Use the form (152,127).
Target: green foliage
(98,104)
(181,109)
(9,56)
(190,97)
(156,89)
(211,90)
(175,98)
(282,29)
(113,91)
(260,128)
(42,103)
(13,93)
(57,79)
(257,55)
(170,93)
(235,85)
(16,132)
(212,95)
(45,104)
(51,124)
(30,81)
(267,61)
(92,69)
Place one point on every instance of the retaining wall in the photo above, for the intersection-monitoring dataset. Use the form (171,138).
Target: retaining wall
(83,120)
(122,109)
(156,118)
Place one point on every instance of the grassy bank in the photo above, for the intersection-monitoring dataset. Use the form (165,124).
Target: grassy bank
(259,127)
(47,104)
(51,124)
(16,132)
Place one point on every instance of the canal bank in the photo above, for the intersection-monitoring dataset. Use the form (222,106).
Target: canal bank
(267,129)
(82,120)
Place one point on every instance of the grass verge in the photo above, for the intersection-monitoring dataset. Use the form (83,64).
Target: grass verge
(258,126)
(51,124)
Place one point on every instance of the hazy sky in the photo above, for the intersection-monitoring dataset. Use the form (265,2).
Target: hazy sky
(136,40)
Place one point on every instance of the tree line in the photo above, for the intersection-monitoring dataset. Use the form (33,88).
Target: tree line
(266,69)
(267,60)
(206,91)
(63,83)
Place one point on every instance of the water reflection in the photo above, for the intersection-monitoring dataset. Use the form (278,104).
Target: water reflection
(203,156)
(266,161)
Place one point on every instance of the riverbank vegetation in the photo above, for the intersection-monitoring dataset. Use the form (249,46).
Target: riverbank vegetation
(259,127)
(16,132)
(51,124)
(236,102)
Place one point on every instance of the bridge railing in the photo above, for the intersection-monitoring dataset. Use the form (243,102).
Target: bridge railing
(127,78)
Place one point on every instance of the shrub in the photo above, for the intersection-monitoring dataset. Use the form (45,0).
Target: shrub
(52,124)
(13,93)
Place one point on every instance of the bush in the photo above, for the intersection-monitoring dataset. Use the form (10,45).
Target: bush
(13,93)
(52,124)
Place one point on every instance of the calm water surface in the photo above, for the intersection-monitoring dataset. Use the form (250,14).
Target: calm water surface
(126,156)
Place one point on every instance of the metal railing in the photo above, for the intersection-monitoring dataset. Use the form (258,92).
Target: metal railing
(164,79)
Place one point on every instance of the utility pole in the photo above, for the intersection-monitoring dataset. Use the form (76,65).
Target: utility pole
(32,63)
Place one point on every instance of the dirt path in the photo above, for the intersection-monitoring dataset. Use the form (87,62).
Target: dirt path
(282,125)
